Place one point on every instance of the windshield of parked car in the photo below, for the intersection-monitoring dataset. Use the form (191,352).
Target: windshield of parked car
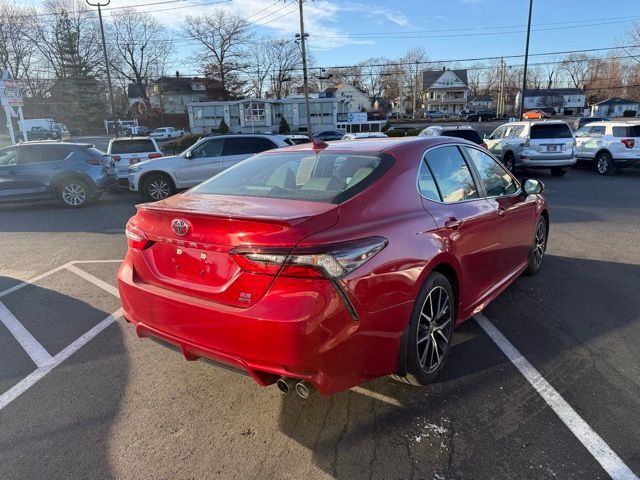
(316,177)
(550,130)
(132,146)
(467,134)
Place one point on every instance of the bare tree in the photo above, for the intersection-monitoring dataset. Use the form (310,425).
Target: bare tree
(414,63)
(259,66)
(373,76)
(551,101)
(222,38)
(141,47)
(474,78)
(576,67)
(550,71)
(284,59)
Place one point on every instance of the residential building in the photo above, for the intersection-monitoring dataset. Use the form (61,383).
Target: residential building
(173,94)
(481,102)
(264,115)
(445,90)
(615,107)
(567,101)
(356,100)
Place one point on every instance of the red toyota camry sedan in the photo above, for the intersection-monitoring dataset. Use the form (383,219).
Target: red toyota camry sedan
(324,266)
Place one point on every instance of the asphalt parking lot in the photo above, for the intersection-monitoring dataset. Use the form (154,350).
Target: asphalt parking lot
(82,397)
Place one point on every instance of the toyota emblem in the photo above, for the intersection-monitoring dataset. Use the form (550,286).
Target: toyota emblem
(180,226)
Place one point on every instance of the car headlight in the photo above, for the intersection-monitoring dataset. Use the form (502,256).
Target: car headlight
(134,168)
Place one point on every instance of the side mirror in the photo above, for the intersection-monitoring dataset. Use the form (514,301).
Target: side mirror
(532,186)
(188,154)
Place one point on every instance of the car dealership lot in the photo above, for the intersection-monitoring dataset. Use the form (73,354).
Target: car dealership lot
(120,407)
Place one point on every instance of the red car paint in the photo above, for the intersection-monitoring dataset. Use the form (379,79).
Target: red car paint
(192,292)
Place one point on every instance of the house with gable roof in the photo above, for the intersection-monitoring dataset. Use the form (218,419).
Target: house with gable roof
(445,90)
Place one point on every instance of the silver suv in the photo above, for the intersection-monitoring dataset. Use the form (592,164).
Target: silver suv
(609,145)
(534,144)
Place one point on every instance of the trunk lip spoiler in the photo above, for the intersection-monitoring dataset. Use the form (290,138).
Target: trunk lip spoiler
(292,221)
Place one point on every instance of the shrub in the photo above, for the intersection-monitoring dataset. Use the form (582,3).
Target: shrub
(284,126)
(223,128)
(629,113)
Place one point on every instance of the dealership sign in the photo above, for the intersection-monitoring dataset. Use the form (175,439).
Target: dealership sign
(10,93)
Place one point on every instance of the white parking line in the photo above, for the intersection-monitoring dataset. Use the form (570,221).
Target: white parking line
(34,349)
(93,279)
(593,442)
(33,280)
(37,375)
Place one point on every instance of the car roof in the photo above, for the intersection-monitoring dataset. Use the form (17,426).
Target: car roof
(392,145)
(452,127)
(532,122)
(48,143)
(124,139)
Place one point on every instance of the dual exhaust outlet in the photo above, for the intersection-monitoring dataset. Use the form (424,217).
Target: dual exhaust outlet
(303,388)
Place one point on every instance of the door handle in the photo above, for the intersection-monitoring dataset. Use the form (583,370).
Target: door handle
(453,223)
(501,211)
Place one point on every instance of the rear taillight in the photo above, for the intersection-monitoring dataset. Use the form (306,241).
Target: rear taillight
(154,155)
(328,261)
(116,158)
(96,161)
(135,238)
(628,142)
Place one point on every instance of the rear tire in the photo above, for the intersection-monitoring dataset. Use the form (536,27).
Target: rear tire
(559,171)
(74,193)
(430,331)
(157,186)
(538,248)
(509,162)
(605,164)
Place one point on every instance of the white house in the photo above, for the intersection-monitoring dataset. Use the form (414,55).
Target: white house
(173,94)
(356,100)
(481,102)
(563,100)
(445,90)
(615,107)
(255,115)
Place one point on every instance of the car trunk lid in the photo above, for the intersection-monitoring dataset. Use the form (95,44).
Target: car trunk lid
(190,237)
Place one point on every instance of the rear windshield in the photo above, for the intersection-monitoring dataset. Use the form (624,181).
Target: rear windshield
(316,177)
(630,131)
(470,135)
(550,130)
(133,146)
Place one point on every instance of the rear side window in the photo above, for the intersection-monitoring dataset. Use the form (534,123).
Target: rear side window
(630,131)
(247,145)
(41,154)
(550,130)
(8,157)
(452,175)
(132,146)
(469,134)
(316,177)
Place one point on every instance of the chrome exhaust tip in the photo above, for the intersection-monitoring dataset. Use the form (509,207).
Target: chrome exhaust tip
(285,384)
(304,389)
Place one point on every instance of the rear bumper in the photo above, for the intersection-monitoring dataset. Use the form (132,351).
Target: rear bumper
(299,329)
(546,162)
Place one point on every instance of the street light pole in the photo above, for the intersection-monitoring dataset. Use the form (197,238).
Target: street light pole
(526,60)
(106,60)
(304,66)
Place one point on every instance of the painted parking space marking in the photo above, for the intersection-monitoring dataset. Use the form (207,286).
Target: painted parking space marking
(29,344)
(43,360)
(19,388)
(593,442)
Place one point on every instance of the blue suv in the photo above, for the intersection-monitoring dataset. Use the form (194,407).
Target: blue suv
(73,173)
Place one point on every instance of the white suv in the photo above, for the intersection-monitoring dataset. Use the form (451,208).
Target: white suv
(534,144)
(609,145)
(159,178)
(127,151)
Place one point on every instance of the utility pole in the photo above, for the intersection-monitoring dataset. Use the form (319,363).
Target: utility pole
(106,60)
(500,109)
(526,60)
(415,91)
(303,38)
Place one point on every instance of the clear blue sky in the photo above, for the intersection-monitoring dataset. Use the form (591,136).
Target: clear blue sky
(346,32)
